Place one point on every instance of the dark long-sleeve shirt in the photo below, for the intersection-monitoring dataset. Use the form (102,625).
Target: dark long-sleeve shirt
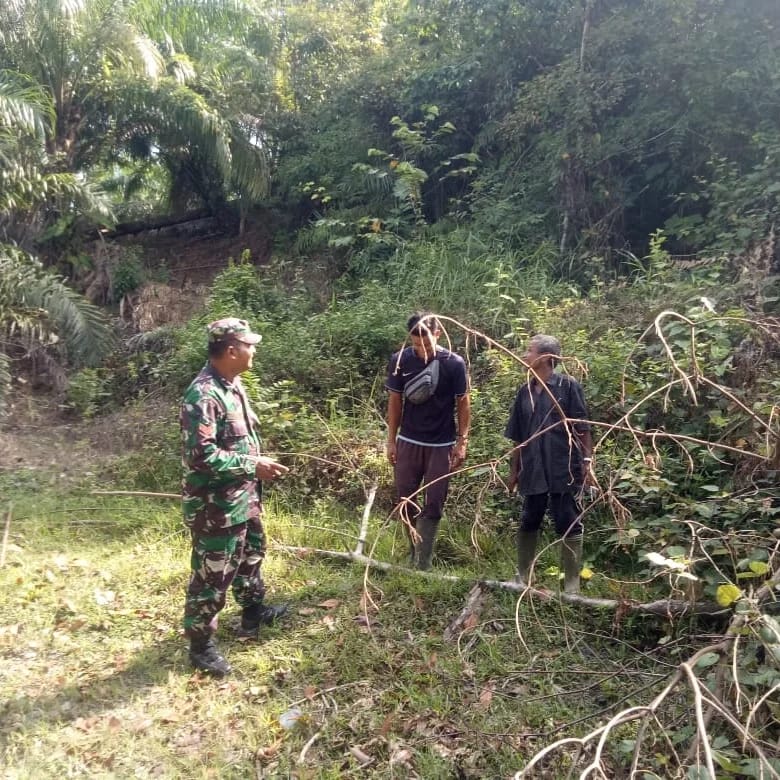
(552,461)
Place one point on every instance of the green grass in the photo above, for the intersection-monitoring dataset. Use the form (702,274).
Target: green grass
(95,681)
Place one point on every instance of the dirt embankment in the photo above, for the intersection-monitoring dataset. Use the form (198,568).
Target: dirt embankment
(180,258)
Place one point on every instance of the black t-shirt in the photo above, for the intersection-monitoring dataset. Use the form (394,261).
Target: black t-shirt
(551,462)
(432,422)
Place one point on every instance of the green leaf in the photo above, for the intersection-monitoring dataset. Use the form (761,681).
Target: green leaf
(725,763)
(758,567)
(727,594)
(708,659)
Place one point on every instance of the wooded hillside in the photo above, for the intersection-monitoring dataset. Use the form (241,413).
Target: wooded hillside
(607,171)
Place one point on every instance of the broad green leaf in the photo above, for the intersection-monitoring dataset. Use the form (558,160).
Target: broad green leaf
(708,659)
(725,763)
(727,594)
(759,567)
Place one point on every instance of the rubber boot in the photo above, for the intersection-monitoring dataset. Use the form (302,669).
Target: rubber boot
(526,552)
(411,543)
(571,563)
(205,657)
(257,615)
(423,550)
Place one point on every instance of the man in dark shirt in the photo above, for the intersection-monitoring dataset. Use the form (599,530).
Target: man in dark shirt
(423,443)
(552,458)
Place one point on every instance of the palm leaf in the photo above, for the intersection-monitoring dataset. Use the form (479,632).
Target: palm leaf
(35,305)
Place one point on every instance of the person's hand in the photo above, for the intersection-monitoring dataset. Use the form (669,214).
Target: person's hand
(511,483)
(391,452)
(458,454)
(268,468)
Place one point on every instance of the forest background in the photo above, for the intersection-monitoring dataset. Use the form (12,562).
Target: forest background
(604,170)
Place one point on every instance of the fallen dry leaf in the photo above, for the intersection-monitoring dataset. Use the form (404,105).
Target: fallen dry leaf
(362,758)
(400,756)
(168,716)
(329,603)
(471,621)
(387,724)
(86,724)
(140,725)
(485,698)
(103,597)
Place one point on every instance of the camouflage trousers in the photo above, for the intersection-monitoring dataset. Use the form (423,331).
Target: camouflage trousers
(220,559)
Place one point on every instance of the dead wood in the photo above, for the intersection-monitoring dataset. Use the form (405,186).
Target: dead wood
(6,533)
(469,616)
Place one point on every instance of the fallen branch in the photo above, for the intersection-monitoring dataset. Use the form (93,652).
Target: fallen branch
(470,613)
(683,676)
(144,493)
(661,608)
(6,534)
(361,542)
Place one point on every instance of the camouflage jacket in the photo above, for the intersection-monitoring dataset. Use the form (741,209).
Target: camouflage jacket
(220,446)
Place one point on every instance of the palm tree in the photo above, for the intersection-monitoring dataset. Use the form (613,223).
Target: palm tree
(91,85)
(132,80)
(36,308)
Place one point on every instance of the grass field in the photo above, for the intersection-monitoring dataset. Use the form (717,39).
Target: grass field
(357,682)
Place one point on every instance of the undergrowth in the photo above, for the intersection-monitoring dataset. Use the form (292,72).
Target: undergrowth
(95,680)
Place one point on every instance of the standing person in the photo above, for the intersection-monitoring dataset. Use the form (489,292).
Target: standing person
(554,461)
(221,495)
(428,388)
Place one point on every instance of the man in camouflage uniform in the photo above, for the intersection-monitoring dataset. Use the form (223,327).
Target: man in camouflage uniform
(221,495)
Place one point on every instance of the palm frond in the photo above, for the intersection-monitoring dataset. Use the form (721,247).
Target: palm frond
(38,305)
(24,188)
(250,170)
(24,107)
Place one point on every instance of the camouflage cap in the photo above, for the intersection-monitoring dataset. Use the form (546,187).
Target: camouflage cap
(232,328)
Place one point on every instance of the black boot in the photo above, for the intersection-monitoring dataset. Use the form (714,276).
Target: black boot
(423,550)
(256,615)
(526,555)
(205,657)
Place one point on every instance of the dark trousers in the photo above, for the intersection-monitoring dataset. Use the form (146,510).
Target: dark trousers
(220,559)
(564,510)
(416,465)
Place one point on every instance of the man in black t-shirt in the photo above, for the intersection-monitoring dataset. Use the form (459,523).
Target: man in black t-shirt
(552,458)
(423,443)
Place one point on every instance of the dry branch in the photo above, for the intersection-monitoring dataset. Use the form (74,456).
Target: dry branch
(474,604)
(142,493)
(682,676)
(6,533)
(662,608)
(361,542)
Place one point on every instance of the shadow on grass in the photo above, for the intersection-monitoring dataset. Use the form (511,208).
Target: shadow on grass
(90,695)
